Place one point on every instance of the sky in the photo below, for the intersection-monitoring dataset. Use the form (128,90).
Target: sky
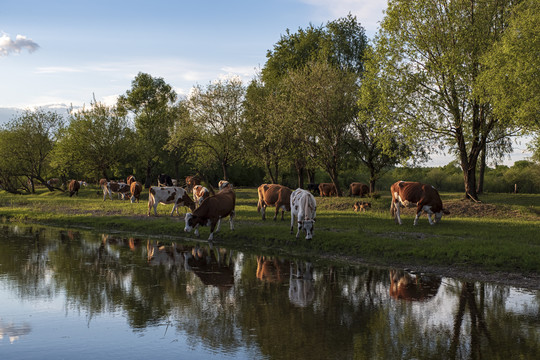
(69,52)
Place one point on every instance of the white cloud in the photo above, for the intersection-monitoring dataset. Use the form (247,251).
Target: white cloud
(56,70)
(21,42)
(368,12)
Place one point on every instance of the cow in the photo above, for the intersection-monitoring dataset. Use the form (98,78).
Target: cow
(301,284)
(135,188)
(425,197)
(130,179)
(358,189)
(224,184)
(168,195)
(54,182)
(211,211)
(113,187)
(327,189)
(272,270)
(304,207)
(274,195)
(74,187)
(192,181)
(360,206)
(164,180)
(199,194)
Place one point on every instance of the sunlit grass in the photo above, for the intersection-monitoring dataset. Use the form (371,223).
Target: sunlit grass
(504,239)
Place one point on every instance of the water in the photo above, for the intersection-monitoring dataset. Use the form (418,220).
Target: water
(78,295)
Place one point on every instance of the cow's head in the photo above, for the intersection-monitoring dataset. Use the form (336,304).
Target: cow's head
(438,215)
(308,226)
(191,222)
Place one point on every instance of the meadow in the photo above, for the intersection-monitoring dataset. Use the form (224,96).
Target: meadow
(498,236)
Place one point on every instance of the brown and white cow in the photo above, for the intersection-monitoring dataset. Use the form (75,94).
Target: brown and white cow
(358,189)
(211,211)
(130,179)
(274,195)
(303,206)
(327,189)
(111,187)
(425,197)
(199,194)
(74,187)
(406,286)
(224,184)
(135,188)
(169,195)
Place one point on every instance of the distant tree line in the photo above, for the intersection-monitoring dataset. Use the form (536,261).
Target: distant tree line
(327,105)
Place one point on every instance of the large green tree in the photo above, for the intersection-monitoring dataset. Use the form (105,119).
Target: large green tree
(25,148)
(213,125)
(151,101)
(96,143)
(431,52)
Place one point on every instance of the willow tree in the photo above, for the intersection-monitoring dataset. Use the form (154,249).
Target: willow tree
(431,52)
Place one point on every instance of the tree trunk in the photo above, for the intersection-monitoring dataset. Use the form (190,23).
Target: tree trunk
(224,167)
(299,165)
(148,180)
(482,170)
(311,176)
(334,176)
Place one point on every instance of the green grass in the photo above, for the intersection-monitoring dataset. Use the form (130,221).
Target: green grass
(501,234)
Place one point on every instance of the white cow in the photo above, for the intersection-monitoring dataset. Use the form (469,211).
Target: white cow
(168,195)
(303,206)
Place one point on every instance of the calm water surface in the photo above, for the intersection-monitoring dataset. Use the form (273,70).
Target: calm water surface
(78,295)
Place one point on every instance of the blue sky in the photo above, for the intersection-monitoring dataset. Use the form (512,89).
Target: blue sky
(67,52)
(63,52)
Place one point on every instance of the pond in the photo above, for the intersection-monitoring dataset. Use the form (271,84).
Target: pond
(80,295)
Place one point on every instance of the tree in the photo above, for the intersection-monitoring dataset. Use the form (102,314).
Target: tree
(322,105)
(431,53)
(151,102)
(25,149)
(215,120)
(96,143)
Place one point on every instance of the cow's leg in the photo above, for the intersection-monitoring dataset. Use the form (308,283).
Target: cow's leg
(212,227)
(231,219)
(277,212)
(397,207)
(292,221)
(263,211)
(196,232)
(298,230)
(418,213)
(218,227)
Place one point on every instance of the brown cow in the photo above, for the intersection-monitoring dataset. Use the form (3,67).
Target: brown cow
(135,188)
(360,206)
(272,270)
(199,194)
(211,211)
(327,189)
(411,287)
(74,187)
(425,197)
(358,189)
(130,179)
(168,195)
(274,195)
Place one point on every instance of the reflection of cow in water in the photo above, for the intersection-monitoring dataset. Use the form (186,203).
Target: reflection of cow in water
(272,270)
(406,286)
(301,290)
(214,266)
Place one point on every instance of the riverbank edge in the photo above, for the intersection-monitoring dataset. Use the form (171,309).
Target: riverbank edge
(528,281)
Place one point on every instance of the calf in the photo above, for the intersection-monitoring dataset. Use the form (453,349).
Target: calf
(168,195)
(135,188)
(303,206)
(111,187)
(211,211)
(327,189)
(199,194)
(358,189)
(274,195)
(360,206)
(425,197)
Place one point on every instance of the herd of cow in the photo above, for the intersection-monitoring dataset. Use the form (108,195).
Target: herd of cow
(209,207)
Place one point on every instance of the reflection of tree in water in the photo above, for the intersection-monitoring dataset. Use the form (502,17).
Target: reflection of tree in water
(228,300)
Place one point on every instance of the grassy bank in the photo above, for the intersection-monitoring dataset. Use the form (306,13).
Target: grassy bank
(501,234)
